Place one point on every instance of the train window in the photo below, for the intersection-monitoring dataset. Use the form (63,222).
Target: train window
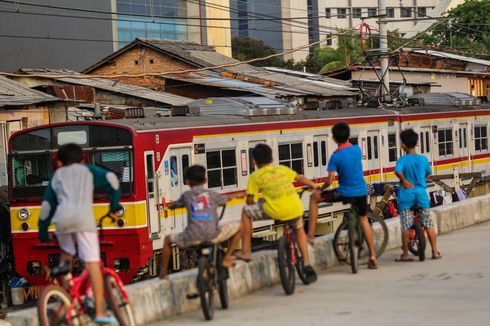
(421,139)
(375,146)
(174,171)
(185,164)
(222,168)
(481,138)
(119,162)
(291,155)
(316,160)
(354,140)
(323,146)
(150,175)
(369,148)
(427,142)
(30,175)
(445,137)
(33,141)
(392,148)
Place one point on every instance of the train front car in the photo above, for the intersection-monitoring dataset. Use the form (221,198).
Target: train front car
(32,161)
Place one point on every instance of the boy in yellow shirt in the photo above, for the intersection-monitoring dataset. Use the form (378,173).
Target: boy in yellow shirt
(280,201)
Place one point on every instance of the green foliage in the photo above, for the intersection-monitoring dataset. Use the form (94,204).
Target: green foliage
(467,30)
(245,48)
(347,53)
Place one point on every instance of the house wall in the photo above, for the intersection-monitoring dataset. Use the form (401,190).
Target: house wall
(440,83)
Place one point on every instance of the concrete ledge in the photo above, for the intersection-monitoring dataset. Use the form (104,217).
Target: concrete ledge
(155,300)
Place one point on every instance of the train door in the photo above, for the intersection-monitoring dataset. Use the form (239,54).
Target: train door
(425,144)
(180,159)
(153,218)
(320,158)
(373,156)
(464,147)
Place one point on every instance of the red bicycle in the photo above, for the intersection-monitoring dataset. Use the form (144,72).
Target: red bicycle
(417,242)
(75,305)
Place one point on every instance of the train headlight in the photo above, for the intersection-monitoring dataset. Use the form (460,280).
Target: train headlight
(120,212)
(24,214)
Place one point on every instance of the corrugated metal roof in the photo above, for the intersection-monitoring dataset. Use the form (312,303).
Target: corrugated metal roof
(14,94)
(116,87)
(452,56)
(204,56)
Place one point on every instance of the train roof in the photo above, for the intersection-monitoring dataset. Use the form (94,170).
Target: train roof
(176,122)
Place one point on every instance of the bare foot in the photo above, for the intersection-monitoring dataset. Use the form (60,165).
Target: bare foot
(311,240)
(228,262)
(240,255)
(164,276)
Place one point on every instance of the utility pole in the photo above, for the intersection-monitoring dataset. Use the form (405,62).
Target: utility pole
(383,44)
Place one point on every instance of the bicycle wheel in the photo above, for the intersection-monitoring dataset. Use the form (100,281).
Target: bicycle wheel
(413,246)
(222,282)
(53,307)
(419,234)
(117,303)
(299,266)
(286,268)
(205,287)
(353,246)
(341,242)
(380,234)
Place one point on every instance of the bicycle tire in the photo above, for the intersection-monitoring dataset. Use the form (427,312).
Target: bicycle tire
(45,313)
(299,266)
(413,242)
(205,287)
(353,246)
(421,241)
(222,283)
(118,305)
(341,242)
(286,268)
(380,249)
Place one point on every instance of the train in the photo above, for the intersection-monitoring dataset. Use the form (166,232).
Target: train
(149,156)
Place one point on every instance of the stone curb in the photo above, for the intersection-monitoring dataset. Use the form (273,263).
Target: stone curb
(154,299)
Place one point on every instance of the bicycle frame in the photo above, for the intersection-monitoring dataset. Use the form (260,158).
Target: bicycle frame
(291,239)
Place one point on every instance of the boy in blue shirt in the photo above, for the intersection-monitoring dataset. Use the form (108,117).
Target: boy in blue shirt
(346,161)
(413,170)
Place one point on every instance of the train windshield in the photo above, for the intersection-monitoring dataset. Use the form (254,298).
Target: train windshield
(33,155)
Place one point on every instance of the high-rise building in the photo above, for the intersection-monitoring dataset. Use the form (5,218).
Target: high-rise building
(74,34)
(270,21)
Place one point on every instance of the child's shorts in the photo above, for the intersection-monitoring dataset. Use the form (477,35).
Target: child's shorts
(257,213)
(87,243)
(406,218)
(226,231)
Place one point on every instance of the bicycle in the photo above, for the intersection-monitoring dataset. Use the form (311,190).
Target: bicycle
(212,276)
(417,242)
(75,305)
(349,239)
(289,258)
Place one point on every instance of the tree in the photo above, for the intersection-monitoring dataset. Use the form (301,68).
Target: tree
(245,48)
(347,53)
(468,28)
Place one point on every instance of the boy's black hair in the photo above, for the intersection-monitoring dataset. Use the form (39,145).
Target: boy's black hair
(341,132)
(262,154)
(409,138)
(70,154)
(196,174)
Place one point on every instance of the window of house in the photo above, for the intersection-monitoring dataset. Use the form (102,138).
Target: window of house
(390,12)
(405,12)
(392,148)
(328,13)
(151,61)
(329,40)
(372,12)
(136,62)
(421,11)
(357,12)
(222,168)
(481,138)
(291,155)
(445,138)
(341,13)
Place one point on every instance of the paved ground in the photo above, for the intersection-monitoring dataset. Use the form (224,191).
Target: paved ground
(452,291)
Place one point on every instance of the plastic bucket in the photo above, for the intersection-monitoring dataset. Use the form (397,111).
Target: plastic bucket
(17,296)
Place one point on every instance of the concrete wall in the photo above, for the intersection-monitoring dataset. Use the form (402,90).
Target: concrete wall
(45,51)
(154,299)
